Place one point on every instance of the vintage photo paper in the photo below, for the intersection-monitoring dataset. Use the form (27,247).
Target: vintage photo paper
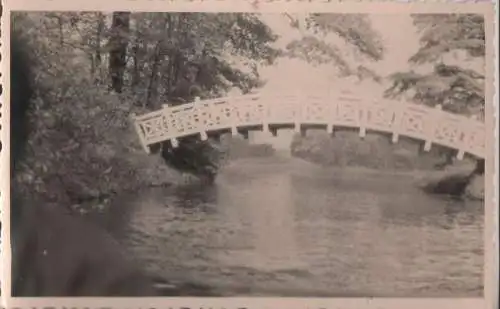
(242,154)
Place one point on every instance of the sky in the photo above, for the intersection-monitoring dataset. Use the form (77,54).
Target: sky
(398,34)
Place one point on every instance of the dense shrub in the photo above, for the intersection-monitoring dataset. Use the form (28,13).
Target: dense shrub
(81,144)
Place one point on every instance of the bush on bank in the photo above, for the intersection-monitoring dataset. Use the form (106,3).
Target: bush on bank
(81,145)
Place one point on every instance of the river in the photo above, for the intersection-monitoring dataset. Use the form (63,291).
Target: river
(284,227)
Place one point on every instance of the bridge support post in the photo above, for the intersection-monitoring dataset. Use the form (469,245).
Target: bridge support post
(427,146)
(395,138)
(329,129)
(297,127)
(174,142)
(265,128)
(234,131)
(362,132)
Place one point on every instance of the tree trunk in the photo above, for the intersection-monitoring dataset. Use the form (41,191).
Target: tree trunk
(97,61)
(135,55)
(118,49)
(154,73)
(176,58)
(61,32)
(155,66)
(170,67)
(92,66)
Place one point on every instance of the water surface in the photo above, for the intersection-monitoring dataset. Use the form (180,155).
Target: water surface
(284,227)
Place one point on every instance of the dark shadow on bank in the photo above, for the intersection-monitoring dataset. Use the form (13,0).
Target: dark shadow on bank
(454,185)
(56,253)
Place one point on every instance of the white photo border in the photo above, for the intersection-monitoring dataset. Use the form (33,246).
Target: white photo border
(490,299)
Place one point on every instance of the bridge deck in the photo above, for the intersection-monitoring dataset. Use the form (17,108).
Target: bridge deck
(431,125)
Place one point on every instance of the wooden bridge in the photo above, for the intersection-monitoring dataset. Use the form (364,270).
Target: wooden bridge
(270,113)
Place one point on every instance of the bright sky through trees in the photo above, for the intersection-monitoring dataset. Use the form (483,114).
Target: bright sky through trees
(400,44)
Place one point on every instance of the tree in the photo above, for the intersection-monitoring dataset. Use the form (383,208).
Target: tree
(91,70)
(356,32)
(226,48)
(199,55)
(457,88)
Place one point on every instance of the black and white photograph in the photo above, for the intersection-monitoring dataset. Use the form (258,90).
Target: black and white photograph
(248,154)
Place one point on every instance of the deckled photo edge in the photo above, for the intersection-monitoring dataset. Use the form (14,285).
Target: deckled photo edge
(4,157)
(491,199)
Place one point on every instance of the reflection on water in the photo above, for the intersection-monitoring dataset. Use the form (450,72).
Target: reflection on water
(283,227)
(270,221)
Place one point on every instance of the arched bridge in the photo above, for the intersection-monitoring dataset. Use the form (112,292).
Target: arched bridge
(243,113)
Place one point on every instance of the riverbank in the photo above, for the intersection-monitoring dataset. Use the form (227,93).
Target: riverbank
(80,157)
(375,152)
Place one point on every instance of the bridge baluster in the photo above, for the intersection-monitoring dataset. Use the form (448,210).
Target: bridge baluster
(173,141)
(463,146)
(298,115)
(396,124)
(431,129)
(265,121)
(137,126)
(362,117)
(201,118)
(468,132)
(234,118)
(331,108)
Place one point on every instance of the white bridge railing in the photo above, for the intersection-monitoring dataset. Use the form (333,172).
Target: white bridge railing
(431,125)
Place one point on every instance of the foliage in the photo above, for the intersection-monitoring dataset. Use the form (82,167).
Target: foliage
(354,29)
(457,88)
(214,42)
(82,145)
(377,152)
(211,43)
(442,33)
